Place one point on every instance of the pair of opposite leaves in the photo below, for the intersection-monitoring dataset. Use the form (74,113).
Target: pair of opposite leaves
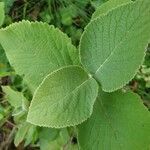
(111,50)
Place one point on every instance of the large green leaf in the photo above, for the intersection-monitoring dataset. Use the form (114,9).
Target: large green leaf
(112,46)
(119,122)
(27,133)
(64,98)
(31,136)
(37,49)
(108,6)
(1,13)
(8,5)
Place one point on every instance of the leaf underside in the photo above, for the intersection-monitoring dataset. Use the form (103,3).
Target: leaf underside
(119,122)
(113,46)
(64,98)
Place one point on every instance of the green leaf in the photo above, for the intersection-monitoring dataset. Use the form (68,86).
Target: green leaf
(49,134)
(119,122)
(8,5)
(31,136)
(67,13)
(1,116)
(14,98)
(36,49)
(65,98)
(1,13)
(112,46)
(98,3)
(5,68)
(26,132)
(52,139)
(21,133)
(108,6)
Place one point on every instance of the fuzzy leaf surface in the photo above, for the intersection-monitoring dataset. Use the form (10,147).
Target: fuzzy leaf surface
(113,46)
(64,98)
(108,6)
(119,122)
(37,49)
(13,97)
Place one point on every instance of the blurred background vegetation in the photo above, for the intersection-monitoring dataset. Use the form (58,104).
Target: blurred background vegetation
(70,16)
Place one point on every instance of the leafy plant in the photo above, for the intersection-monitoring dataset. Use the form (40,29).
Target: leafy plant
(84,87)
(1,12)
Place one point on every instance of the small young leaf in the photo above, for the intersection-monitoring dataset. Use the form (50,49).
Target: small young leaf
(119,122)
(49,134)
(64,98)
(31,136)
(21,133)
(1,13)
(14,98)
(108,6)
(36,49)
(112,46)
(52,139)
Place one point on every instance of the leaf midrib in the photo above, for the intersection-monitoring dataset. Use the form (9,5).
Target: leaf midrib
(70,92)
(127,33)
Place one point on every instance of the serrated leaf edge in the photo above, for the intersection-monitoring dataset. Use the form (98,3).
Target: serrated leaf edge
(86,30)
(126,92)
(64,125)
(110,9)
(15,24)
